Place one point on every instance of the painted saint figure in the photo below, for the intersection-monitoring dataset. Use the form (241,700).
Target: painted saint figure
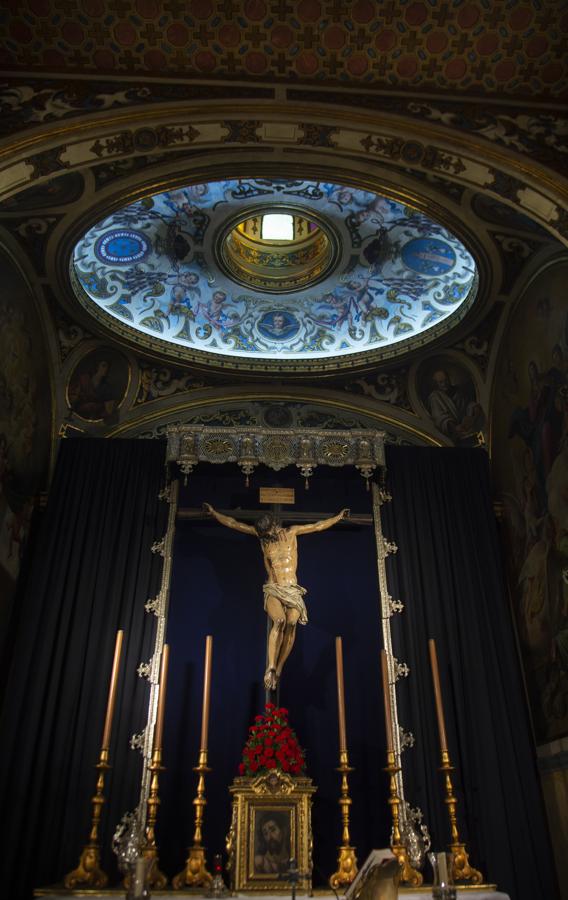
(91,395)
(272,845)
(453,412)
(283,596)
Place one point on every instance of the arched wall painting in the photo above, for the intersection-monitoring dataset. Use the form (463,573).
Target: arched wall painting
(531,462)
(449,395)
(98,384)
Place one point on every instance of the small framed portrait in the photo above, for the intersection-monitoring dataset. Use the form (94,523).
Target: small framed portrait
(98,385)
(273,835)
(449,394)
(271,825)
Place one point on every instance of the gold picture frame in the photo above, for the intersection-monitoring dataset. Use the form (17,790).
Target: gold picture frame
(271,824)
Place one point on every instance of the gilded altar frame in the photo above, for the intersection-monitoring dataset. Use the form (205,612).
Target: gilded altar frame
(278,448)
(288,801)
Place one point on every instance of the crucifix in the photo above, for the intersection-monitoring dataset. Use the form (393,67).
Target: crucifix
(283,596)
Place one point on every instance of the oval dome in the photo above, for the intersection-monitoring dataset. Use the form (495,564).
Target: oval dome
(270,271)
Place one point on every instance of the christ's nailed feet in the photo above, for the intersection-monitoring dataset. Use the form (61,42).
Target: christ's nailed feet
(270,679)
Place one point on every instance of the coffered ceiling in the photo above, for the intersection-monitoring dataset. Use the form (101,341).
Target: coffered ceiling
(499,49)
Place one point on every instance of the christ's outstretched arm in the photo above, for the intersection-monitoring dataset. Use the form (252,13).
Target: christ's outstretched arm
(318,526)
(229,521)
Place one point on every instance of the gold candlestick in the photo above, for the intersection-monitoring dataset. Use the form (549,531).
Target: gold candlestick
(347,859)
(461,867)
(408,874)
(156,879)
(88,872)
(195,873)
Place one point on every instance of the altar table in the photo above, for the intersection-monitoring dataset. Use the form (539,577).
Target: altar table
(467,893)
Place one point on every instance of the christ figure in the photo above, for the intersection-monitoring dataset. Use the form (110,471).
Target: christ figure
(283,596)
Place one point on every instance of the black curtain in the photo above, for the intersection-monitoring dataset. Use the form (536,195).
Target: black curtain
(448,573)
(91,574)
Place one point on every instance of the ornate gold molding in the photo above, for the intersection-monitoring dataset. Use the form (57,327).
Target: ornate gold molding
(350,124)
(286,797)
(276,448)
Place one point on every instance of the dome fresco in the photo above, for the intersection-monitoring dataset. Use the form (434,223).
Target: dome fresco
(187,270)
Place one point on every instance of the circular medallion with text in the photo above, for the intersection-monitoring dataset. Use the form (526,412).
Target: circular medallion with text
(122,246)
(428,256)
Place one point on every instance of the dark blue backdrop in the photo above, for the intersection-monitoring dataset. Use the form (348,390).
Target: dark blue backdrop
(217,589)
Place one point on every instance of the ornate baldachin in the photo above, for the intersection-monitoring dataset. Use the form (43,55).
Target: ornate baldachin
(306,449)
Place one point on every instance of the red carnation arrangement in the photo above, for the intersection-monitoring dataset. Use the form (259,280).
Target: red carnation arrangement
(272,745)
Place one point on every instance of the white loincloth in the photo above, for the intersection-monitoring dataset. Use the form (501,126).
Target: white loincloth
(290,595)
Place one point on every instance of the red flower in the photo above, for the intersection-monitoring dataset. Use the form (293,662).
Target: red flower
(272,744)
